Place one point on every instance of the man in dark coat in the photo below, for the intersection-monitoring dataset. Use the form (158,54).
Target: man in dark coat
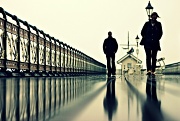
(110,47)
(151,35)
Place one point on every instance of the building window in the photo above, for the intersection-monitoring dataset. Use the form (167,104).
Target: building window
(129,65)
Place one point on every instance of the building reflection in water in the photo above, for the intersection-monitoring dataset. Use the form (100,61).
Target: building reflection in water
(151,109)
(38,98)
(110,102)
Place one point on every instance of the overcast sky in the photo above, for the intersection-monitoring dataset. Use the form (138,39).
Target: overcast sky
(84,24)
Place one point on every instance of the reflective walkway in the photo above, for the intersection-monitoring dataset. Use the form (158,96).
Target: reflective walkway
(90,98)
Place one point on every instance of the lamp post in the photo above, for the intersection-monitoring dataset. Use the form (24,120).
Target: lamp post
(149,9)
(137,50)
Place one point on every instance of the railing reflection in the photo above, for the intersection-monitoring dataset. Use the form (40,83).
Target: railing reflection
(38,98)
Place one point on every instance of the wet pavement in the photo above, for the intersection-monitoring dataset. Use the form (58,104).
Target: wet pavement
(90,98)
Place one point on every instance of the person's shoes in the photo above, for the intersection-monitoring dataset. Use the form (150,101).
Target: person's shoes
(109,75)
(113,76)
(153,74)
(148,73)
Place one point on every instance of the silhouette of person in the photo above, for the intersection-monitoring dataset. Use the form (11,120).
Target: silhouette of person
(110,102)
(110,47)
(151,35)
(151,109)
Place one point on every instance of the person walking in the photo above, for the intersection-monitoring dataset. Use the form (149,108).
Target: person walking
(110,47)
(151,35)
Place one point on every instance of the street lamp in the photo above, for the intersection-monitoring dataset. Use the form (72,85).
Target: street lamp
(137,39)
(149,9)
(137,50)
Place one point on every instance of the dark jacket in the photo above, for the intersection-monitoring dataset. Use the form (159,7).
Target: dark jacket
(110,46)
(151,35)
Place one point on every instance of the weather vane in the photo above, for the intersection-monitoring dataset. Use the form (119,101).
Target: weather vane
(128,45)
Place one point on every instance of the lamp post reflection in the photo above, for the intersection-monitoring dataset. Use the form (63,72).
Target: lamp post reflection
(110,102)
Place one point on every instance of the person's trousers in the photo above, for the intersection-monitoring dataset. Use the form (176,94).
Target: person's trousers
(151,59)
(111,64)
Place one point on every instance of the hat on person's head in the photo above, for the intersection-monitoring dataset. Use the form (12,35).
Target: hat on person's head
(154,13)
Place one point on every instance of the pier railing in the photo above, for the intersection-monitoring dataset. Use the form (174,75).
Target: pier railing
(173,68)
(25,49)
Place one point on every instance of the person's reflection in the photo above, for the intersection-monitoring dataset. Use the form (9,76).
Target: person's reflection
(110,102)
(151,108)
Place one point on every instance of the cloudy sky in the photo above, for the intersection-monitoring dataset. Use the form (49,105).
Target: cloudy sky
(84,24)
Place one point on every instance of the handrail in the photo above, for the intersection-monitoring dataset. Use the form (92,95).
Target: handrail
(40,53)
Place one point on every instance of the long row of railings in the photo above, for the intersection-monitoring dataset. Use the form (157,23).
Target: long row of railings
(173,68)
(25,48)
